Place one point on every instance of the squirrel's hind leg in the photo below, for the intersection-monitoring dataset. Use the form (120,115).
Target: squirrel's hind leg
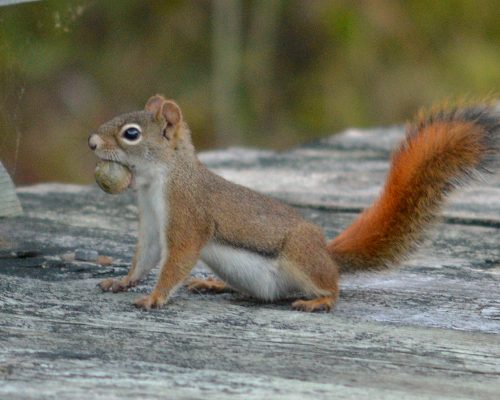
(308,260)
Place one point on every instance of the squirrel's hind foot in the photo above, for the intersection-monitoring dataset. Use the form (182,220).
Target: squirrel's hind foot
(320,304)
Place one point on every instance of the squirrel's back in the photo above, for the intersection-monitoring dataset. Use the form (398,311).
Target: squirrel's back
(246,218)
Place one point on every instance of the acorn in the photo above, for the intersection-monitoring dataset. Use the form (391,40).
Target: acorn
(112,177)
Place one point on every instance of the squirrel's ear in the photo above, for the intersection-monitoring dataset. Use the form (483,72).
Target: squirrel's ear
(171,112)
(153,105)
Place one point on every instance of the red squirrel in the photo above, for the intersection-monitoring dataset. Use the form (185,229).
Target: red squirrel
(258,245)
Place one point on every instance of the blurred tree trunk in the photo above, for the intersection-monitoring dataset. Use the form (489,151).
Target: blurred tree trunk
(227,54)
(261,61)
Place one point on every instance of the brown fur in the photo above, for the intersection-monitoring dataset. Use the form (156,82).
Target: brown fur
(439,152)
(189,228)
(243,217)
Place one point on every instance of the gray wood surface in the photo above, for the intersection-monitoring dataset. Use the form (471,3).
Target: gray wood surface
(9,203)
(427,330)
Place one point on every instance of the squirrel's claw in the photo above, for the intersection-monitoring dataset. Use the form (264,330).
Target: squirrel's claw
(115,285)
(154,300)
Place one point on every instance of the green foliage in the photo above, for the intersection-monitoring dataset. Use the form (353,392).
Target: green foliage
(306,69)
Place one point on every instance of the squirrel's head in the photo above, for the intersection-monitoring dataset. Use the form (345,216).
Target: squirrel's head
(142,139)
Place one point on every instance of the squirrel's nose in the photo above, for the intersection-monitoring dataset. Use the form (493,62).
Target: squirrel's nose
(94,141)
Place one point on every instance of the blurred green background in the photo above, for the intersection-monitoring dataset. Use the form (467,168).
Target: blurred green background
(266,73)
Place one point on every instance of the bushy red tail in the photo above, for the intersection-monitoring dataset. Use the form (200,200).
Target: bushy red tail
(440,152)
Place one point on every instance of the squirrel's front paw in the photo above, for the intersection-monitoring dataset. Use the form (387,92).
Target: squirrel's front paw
(154,300)
(115,285)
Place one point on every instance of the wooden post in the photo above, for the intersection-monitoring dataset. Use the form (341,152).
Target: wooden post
(9,203)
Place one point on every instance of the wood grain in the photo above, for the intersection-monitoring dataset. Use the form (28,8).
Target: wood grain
(427,330)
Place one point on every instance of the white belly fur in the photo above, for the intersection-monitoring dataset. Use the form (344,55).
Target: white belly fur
(248,272)
(154,217)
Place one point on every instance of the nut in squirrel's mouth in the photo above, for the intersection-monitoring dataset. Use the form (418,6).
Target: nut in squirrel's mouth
(112,158)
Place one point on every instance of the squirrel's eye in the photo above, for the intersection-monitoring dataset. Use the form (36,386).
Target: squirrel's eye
(132,133)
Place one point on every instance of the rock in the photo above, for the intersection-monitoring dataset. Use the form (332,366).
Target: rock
(68,257)
(104,260)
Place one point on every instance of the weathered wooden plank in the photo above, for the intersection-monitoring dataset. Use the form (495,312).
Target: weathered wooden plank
(345,171)
(9,203)
(239,341)
(429,329)
(451,282)
(57,328)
